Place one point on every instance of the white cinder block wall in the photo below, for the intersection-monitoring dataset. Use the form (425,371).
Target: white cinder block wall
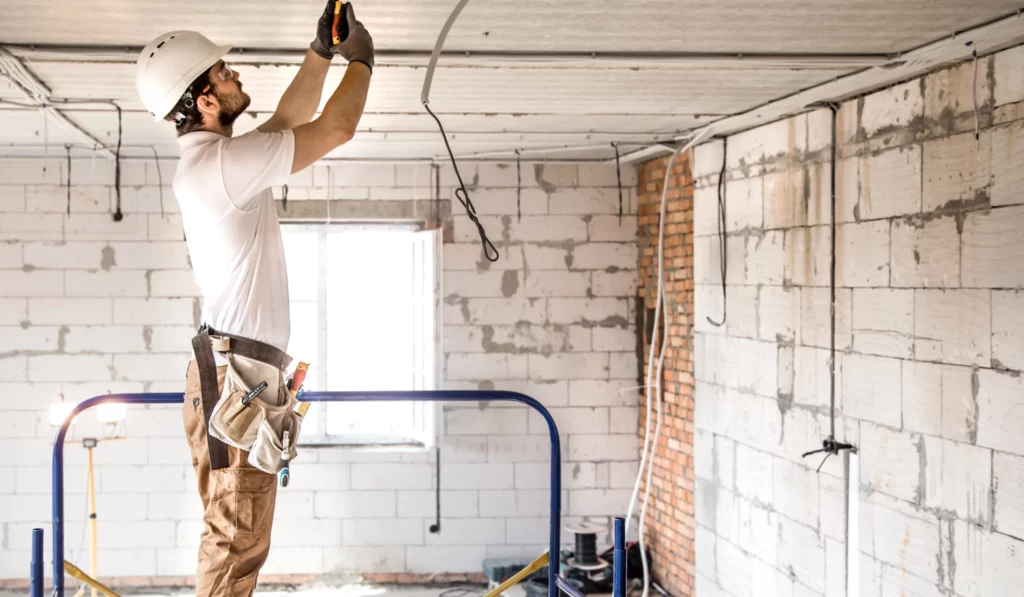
(90,306)
(930,272)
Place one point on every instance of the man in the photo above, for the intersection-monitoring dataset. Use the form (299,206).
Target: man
(223,187)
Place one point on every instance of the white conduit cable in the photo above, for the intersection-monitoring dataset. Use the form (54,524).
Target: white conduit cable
(490,251)
(650,447)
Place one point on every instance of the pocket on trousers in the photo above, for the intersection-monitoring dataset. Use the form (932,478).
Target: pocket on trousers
(244,500)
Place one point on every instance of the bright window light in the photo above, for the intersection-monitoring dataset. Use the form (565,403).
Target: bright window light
(111,413)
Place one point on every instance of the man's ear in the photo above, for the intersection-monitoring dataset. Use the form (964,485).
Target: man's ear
(208,104)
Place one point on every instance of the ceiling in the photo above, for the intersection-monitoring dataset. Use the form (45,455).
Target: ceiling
(539,74)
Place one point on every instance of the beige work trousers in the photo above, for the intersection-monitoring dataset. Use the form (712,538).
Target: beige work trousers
(238,507)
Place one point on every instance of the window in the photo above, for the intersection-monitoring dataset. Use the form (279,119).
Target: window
(364,313)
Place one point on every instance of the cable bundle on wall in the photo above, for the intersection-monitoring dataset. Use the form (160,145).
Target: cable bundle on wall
(654,378)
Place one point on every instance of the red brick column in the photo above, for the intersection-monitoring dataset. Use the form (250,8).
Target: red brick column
(670,513)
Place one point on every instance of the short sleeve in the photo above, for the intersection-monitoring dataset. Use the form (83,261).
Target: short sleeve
(255,161)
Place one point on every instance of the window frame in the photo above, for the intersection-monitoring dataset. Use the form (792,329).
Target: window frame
(426,414)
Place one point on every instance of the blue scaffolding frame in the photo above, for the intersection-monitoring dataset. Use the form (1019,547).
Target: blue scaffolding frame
(555,581)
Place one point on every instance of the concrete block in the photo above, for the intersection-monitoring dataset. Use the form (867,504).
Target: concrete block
(63,255)
(925,254)
(70,368)
(16,226)
(953,326)
(110,339)
(1000,408)
(742,364)
(569,366)
(779,313)
(765,259)
(101,226)
(383,531)
(599,448)
(83,199)
(503,311)
(470,256)
(558,258)
(870,576)
(993,245)
(522,503)
(32,283)
(12,198)
(706,218)
(127,479)
(11,255)
(796,492)
(462,476)
(548,284)
(169,338)
(614,339)
(894,107)
(754,475)
(605,175)
(707,260)
(802,552)
(959,404)
(492,201)
(294,560)
(770,582)
(106,284)
(536,476)
(602,311)
(144,255)
(815,324)
(14,369)
(745,204)
(724,462)
(705,552)
(897,583)
(739,580)
(956,169)
(339,477)
(604,256)
(556,228)
(486,366)
(1007,164)
(807,256)
(616,392)
(33,338)
(13,311)
(587,201)
(891,463)
(958,478)
(173,283)
(511,448)
(619,284)
(1007,329)
(848,183)
(366,504)
(742,318)
(811,377)
(906,539)
(1008,481)
(922,397)
(308,533)
(472,421)
(862,254)
(480,284)
(364,559)
(786,196)
(890,184)
(163,228)
(986,563)
(951,91)
(424,560)
(832,504)
(1009,76)
(157,311)
(467,531)
(883,322)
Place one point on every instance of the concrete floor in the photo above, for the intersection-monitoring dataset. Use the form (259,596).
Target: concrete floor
(355,589)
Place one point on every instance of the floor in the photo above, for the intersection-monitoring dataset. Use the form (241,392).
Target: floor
(327,589)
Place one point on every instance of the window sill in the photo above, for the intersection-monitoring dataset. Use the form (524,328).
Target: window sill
(368,446)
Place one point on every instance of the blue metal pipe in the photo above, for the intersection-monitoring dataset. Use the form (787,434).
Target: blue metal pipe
(35,587)
(567,587)
(424,396)
(619,570)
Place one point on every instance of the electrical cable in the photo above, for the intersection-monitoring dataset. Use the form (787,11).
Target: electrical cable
(159,178)
(618,176)
(519,186)
(650,448)
(118,216)
(461,193)
(974,96)
(721,235)
(67,148)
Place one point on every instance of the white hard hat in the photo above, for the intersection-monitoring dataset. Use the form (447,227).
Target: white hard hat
(169,64)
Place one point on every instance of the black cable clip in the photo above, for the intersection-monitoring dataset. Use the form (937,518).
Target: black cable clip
(830,446)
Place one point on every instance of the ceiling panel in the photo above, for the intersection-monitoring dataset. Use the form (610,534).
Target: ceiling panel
(535,25)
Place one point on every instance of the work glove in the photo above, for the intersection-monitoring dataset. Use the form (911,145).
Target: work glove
(324,37)
(358,46)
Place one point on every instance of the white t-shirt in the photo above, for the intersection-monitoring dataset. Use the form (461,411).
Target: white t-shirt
(234,238)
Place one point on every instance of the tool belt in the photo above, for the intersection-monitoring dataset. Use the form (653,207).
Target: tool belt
(254,412)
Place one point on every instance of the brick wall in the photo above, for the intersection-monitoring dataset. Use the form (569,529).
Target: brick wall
(89,306)
(670,510)
(929,345)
